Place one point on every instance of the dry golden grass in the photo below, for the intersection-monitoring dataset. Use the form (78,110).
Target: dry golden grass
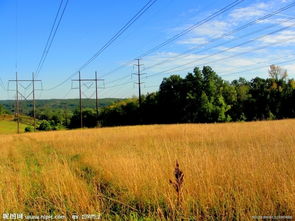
(231,171)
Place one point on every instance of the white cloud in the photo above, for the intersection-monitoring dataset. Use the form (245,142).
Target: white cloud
(249,12)
(290,69)
(194,41)
(220,63)
(250,59)
(171,60)
(236,49)
(213,29)
(284,37)
(205,31)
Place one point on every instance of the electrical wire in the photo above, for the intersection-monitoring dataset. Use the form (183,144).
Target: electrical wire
(220,52)
(251,69)
(51,36)
(185,53)
(175,37)
(2,84)
(119,33)
(256,68)
(110,41)
(255,32)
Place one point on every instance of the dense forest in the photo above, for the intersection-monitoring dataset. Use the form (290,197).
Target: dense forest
(70,104)
(200,97)
(204,97)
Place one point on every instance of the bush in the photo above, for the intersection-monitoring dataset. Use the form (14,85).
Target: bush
(29,129)
(44,126)
(57,127)
(89,118)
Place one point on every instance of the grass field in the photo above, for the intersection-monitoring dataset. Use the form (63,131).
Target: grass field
(232,171)
(9,127)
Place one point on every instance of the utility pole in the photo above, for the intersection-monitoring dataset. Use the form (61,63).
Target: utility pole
(21,95)
(139,86)
(34,103)
(96,95)
(17,102)
(139,81)
(80,96)
(80,80)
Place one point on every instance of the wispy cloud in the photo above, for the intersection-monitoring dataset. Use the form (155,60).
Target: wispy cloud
(194,41)
(202,34)
(249,12)
(221,63)
(243,61)
(214,28)
(284,37)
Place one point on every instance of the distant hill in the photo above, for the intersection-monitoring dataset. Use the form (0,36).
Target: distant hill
(70,104)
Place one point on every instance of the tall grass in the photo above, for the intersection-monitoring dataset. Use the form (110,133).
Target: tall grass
(232,171)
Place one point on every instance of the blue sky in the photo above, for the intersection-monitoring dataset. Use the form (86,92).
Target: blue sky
(89,24)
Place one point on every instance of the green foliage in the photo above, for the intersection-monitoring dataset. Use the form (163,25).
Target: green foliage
(57,104)
(44,126)
(3,110)
(29,129)
(89,118)
(9,126)
(124,112)
(202,96)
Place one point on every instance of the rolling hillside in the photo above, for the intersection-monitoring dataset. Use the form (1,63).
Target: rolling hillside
(70,104)
(232,171)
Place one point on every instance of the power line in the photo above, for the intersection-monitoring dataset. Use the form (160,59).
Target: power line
(119,33)
(184,54)
(69,91)
(187,30)
(221,11)
(223,43)
(206,49)
(2,84)
(116,92)
(139,83)
(234,73)
(16,35)
(51,36)
(256,68)
(80,80)
(118,85)
(220,52)
(149,4)
(119,79)
(25,97)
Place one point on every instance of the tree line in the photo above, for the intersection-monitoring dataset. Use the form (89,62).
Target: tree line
(200,97)
(204,97)
(42,104)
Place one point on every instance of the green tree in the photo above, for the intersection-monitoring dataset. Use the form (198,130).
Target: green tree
(3,110)
(88,116)
(44,126)
(172,99)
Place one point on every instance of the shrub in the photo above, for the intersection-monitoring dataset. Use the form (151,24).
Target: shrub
(29,129)
(44,126)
